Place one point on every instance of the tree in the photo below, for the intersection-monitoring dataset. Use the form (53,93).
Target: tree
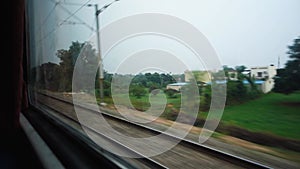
(167,79)
(205,99)
(137,90)
(236,92)
(226,69)
(240,69)
(87,61)
(288,79)
(106,83)
(140,79)
(171,93)
(154,89)
(67,61)
(49,77)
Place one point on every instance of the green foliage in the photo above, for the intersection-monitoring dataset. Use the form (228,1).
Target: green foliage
(137,90)
(171,93)
(89,62)
(205,98)
(288,79)
(274,113)
(236,92)
(226,69)
(67,62)
(55,77)
(106,84)
(107,92)
(47,76)
(152,89)
(240,69)
(153,80)
(140,79)
(166,79)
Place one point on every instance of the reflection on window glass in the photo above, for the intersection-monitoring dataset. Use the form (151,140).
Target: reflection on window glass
(244,81)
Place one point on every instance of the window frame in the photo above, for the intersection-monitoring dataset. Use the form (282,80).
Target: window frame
(72,148)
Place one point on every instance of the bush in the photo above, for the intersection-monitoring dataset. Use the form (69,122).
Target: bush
(107,92)
(253,94)
(171,93)
(236,92)
(137,91)
(205,99)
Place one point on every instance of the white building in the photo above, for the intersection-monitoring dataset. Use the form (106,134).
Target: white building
(265,73)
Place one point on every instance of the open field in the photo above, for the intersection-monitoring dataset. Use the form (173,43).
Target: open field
(272,113)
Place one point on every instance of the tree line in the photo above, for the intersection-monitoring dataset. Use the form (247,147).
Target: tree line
(58,77)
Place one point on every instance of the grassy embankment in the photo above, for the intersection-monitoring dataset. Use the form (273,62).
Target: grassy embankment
(273,113)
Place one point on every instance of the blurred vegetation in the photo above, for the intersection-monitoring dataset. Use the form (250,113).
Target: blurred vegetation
(288,78)
(248,112)
(272,113)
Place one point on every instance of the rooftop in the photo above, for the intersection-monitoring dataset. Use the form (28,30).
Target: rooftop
(178,84)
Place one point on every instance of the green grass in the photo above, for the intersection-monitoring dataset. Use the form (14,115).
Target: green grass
(143,103)
(273,113)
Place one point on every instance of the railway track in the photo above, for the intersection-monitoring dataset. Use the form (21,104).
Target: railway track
(186,154)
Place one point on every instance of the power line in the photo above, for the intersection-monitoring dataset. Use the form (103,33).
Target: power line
(75,11)
(66,20)
(73,14)
(70,3)
(47,17)
(48,34)
(93,24)
(76,17)
(51,11)
(70,15)
(45,20)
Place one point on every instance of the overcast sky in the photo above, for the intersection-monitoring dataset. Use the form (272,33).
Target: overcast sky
(242,32)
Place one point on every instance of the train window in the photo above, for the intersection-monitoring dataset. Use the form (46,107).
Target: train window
(170,84)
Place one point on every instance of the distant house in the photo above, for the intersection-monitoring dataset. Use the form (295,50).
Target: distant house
(263,77)
(265,72)
(176,86)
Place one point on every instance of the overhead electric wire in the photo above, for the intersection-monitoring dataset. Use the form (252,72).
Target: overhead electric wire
(47,17)
(66,19)
(75,12)
(93,24)
(76,17)
(70,3)
(48,34)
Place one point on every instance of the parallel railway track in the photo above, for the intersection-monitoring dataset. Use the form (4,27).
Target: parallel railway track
(186,154)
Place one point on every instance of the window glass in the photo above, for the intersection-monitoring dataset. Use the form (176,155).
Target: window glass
(144,79)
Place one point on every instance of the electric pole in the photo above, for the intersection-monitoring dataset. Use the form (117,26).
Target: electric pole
(101,73)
